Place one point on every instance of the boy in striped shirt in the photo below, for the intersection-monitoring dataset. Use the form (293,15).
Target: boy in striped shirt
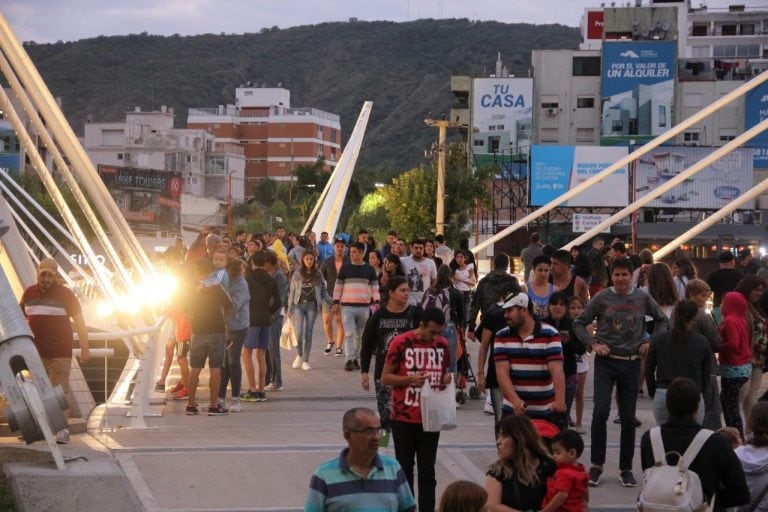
(357,287)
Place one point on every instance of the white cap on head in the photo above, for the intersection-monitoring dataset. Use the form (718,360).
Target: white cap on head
(512,300)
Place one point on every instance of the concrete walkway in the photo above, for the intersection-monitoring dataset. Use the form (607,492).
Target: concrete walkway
(263,457)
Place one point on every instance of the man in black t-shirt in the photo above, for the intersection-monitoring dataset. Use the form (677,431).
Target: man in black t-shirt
(723,280)
(207,306)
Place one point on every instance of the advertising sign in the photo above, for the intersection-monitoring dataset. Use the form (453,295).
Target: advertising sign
(711,188)
(583,222)
(149,199)
(595,25)
(755,111)
(502,116)
(638,85)
(556,169)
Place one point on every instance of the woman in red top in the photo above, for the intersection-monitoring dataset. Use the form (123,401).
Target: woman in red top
(735,357)
(412,358)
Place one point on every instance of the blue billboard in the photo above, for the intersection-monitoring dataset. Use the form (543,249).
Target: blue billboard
(557,169)
(638,90)
(755,111)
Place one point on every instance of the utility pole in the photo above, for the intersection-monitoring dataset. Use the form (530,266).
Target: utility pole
(442,125)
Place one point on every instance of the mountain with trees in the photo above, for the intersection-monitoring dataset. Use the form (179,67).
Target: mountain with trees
(404,68)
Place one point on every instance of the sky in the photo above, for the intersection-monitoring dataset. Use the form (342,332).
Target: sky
(45,21)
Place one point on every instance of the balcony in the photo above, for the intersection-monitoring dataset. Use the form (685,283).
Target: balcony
(720,69)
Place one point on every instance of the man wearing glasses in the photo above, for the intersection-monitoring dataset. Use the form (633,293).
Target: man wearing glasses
(359,478)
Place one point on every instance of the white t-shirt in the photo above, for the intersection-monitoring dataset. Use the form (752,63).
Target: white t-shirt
(460,278)
(420,275)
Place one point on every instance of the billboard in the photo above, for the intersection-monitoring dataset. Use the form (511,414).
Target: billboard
(556,169)
(595,25)
(502,116)
(711,188)
(755,111)
(638,86)
(149,199)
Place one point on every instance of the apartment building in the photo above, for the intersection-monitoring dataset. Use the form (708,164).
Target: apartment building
(276,138)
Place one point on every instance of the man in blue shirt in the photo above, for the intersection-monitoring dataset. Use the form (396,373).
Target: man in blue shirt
(359,478)
(324,248)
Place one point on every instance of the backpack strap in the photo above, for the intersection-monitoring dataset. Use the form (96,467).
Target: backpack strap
(695,446)
(659,455)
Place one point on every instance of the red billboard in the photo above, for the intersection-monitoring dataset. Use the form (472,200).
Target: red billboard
(595,25)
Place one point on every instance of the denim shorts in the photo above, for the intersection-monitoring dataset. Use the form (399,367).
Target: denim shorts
(207,346)
(257,338)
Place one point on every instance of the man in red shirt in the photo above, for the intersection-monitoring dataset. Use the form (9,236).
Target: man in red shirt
(412,358)
(48,307)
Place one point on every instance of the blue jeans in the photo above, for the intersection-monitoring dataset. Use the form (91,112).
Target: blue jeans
(450,334)
(625,375)
(274,373)
(232,370)
(353,318)
(303,318)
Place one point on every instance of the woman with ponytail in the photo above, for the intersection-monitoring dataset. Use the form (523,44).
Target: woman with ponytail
(679,352)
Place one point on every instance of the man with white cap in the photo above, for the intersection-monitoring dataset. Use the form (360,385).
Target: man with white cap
(528,356)
(48,307)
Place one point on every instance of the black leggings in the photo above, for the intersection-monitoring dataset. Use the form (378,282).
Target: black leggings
(729,399)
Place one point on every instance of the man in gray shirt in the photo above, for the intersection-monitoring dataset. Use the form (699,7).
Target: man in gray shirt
(618,343)
(529,253)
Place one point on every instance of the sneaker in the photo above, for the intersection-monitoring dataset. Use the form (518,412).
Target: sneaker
(178,387)
(328,349)
(305,366)
(273,387)
(339,352)
(594,476)
(235,405)
(296,363)
(355,364)
(217,410)
(249,396)
(181,395)
(160,386)
(62,436)
(261,396)
(627,479)
(581,430)
(191,410)
(348,366)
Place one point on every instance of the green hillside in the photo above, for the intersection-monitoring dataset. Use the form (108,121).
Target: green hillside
(404,68)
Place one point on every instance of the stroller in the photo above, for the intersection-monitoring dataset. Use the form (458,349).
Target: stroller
(464,370)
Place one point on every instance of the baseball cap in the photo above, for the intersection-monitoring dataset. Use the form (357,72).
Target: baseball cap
(339,239)
(725,256)
(48,265)
(744,253)
(512,300)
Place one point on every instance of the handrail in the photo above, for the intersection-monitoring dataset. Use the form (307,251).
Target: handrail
(653,194)
(713,219)
(578,189)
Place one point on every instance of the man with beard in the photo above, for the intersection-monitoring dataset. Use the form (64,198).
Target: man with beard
(48,307)
(528,356)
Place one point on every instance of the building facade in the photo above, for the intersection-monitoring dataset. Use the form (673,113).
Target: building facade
(276,139)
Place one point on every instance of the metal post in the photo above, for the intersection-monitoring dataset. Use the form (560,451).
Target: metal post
(440,210)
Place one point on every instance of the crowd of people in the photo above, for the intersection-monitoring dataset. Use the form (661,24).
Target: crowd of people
(644,327)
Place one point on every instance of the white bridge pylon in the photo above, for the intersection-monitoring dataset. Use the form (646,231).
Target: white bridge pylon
(331,200)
